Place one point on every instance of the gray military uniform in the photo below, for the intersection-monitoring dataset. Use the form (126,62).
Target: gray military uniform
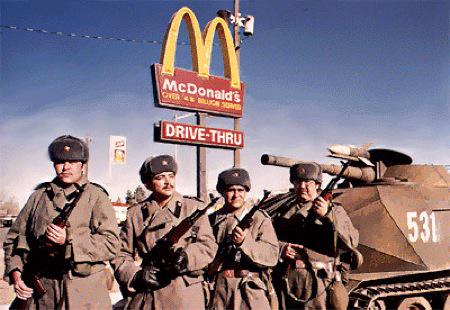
(242,281)
(307,288)
(76,279)
(146,223)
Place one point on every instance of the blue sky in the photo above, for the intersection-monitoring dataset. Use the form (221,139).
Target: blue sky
(316,72)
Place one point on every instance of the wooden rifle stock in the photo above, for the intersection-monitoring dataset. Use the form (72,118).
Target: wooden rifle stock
(38,291)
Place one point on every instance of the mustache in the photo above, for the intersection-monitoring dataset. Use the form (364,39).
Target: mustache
(168,187)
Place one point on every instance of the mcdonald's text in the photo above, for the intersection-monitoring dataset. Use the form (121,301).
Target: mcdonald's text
(199,135)
(186,90)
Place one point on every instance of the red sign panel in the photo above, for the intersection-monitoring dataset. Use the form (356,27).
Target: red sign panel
(186,90)
(192,134)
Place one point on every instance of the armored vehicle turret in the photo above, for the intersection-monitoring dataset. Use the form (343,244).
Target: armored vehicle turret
(402,212)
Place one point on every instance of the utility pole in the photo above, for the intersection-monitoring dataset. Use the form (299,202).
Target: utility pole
(88,141)
(237,43)
(201,162)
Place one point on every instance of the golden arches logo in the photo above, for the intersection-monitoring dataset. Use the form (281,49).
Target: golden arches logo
(201,46)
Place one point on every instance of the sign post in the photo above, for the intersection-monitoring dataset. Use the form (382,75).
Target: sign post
(201,163)
(237,43)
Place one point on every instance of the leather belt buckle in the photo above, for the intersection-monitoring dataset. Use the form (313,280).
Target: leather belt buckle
(228,273)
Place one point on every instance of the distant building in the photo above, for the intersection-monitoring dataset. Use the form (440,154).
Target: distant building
(121,210)
(7,220)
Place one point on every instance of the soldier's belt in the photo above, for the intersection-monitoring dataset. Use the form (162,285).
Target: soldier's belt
(327,266)
(324,269)
(238,273)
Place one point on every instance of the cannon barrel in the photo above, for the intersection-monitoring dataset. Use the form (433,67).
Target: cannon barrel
(366,174)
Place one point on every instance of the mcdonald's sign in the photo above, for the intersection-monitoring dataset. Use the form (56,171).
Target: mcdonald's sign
(197,90)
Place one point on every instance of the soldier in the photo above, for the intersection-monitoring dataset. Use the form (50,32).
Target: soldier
(180,284)
(311,231)
(68,262)
(243,281)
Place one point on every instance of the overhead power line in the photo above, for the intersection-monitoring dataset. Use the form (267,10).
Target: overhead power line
(85,36)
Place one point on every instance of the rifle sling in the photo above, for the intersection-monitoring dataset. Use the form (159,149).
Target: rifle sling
(68,208)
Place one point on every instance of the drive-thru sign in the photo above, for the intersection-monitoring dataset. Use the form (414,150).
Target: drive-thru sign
(192,134)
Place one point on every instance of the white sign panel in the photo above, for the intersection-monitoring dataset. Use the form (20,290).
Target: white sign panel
(117,150)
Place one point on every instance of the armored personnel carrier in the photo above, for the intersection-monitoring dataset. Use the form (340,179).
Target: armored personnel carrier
(402,212)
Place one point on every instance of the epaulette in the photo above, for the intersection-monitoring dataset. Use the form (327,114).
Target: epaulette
(100,187)
(48,189)
(45,185)
(193,198)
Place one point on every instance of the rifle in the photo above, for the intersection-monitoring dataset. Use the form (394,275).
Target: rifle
(44,244)
(326,192)
(162,252)
(352,257)
(227,247)
(48,249)
(39,290)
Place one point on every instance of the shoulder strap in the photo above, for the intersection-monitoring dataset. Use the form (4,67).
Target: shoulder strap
(48,190)
(100,187)
(212,218)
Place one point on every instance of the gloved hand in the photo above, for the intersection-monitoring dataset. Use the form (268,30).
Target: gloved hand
(147,278)
(179,263)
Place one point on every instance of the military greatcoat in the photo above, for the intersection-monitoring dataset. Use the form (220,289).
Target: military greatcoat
(243,281)
(77,278)
(146,223)
(306,287)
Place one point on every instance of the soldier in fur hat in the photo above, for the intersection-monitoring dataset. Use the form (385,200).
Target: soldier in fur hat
(311,231)
(65,263)
(180,285)
(242,278)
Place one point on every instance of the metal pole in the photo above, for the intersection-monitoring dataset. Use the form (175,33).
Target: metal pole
(88,141)
(237,121)
(175,118)
(201,162)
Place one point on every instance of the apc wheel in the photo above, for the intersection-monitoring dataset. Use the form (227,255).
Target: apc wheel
(414,303)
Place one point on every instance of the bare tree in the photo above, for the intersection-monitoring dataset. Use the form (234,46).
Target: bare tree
(129,198)
(140,194)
